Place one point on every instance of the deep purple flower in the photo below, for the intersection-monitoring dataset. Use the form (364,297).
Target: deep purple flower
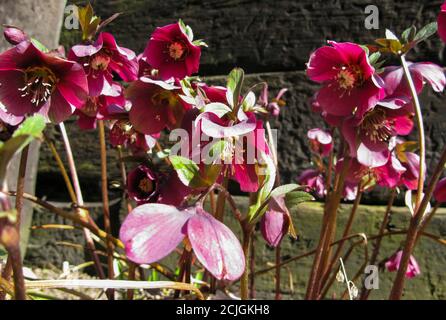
(32,81)
(142,184)
(156,105)
(100,108)
(172,52)
(393,264)
(152,231)
(101,60)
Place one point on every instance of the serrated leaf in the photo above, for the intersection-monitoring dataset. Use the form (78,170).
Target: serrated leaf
(426,32)
(235,84)
(295,198)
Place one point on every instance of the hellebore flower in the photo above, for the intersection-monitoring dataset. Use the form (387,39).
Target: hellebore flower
(152,231)
(369,137)
(244,145)
(101,60)
(166,196)
(32,81)
(275,222)
(122,133)
(142,185)
(397,89)
(314,180)
(321,141)
(440,191)
(172,52)
(410,177)
(387,175)
(350,190)
(100,108)
(350,83)
(156,105)
(273,106)
(15,35)
(413,268)
(441,20)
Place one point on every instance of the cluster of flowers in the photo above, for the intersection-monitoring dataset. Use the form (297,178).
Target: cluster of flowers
(372,110)
(141,97)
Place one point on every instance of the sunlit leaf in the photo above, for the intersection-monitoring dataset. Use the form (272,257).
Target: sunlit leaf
(295,198)
(234,85)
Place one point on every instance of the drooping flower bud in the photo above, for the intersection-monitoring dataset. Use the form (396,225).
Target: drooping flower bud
(393,264)
(14,35)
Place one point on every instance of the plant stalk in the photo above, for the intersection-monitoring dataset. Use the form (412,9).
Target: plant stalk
(106,203)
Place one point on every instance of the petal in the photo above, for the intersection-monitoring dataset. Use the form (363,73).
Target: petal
(60,109)
(372,158)
(10,96)
(323,64)
(432,73)
(152,231)
(145,116)
(442,25)
(440,191)
(214,130)
(216,246)
(246,176)
(273,227)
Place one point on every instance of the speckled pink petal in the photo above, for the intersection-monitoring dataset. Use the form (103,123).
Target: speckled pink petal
(152,231)
(216,246)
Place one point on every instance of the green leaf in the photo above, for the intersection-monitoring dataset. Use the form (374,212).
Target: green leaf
(200,43)
(409,34)
(374,57)
(294,198)
(39,45)
(32,126)
(257,210)
(235,83)
(283,190)
(426,32)
(163,154)
(30,129)
(187,170)
(187,30)
(189,173)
